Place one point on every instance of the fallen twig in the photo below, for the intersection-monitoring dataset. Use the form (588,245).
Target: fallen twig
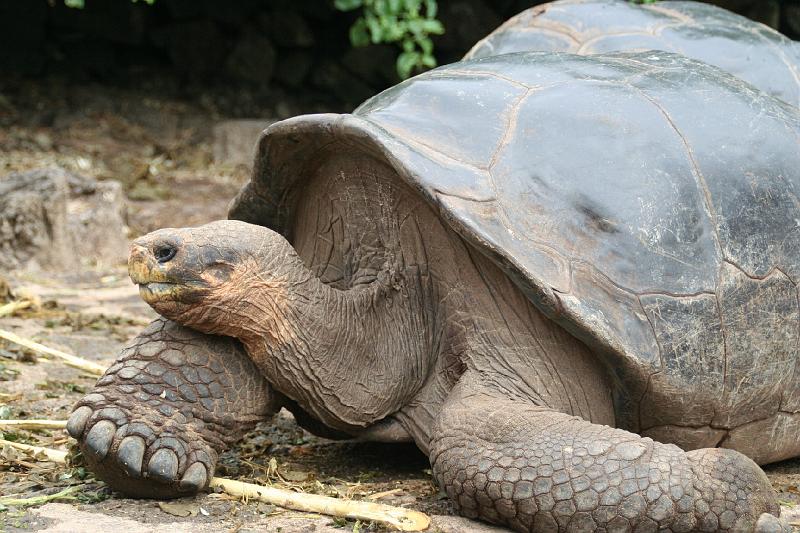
(12,307)
(402,519)
(34,424)
(70,360)
(379,495)
(398,517)
(57,456)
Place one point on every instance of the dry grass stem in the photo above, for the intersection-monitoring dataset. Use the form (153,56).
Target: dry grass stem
(70,360)
(57,456)
(12,307)
(33,424)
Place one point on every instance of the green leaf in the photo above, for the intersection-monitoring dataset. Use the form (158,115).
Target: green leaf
(406,63)
(76,4)
(427,46)
(374,27)
(346,5)
(431,8)
(394,30)
(412,7)
(432,26)
(415,26)
(409,23)
(381,8)
(359,36)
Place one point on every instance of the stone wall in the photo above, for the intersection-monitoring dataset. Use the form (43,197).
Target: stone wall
(280,49)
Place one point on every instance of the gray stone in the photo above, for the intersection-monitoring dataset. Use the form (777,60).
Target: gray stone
(252,59)
(53,220)
(288,28)
(293,67)
(235,140)
(792,16)
(96,222)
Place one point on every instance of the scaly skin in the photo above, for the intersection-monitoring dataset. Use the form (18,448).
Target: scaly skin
(174,399)
(534,469)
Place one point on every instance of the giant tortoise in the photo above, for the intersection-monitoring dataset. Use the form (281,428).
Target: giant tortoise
(518,263)
(754,52)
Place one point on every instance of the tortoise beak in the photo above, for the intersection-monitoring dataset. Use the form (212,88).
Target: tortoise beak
(143,269)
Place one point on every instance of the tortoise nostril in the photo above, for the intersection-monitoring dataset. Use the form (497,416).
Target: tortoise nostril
(164,252)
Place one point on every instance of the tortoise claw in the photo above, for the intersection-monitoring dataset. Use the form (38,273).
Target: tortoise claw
(99,439)
(77,421)
(163,465)
(194,479)
(130,455)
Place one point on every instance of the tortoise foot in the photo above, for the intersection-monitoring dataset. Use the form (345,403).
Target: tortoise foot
(156,421)
(534,469)
(139,450)
(732,492)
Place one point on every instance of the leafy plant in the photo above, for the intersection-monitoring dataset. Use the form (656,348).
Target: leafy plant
(407,23)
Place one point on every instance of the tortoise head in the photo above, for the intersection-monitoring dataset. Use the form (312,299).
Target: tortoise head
(200,276)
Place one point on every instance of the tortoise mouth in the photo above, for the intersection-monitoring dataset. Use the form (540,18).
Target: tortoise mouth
(164,291)
(158,290)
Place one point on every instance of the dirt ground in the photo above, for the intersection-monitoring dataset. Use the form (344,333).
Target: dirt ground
(161,151)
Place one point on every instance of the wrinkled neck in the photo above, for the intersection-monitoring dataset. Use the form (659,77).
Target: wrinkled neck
(349,357)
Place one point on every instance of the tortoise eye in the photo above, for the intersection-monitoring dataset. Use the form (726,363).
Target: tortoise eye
(165,252)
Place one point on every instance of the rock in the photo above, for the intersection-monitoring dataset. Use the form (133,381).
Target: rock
(375,64)
(465,23)
(22,27)
(766,12)
(252,59)
(235,140)
(233,15)
(196,47)
(288,29)
(347,87)
(33,215)
(293,67)
(96,221)
(50,219)
(115,22)
(739,6)
(792,17)
(184,9)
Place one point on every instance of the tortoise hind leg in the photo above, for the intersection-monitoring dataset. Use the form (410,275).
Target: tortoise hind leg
(155,423)
(511,462)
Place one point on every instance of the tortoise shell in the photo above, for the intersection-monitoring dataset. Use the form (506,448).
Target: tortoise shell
(752,51)
(647,202)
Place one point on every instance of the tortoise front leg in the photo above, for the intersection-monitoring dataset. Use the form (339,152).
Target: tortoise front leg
(510,462)
(154,424)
